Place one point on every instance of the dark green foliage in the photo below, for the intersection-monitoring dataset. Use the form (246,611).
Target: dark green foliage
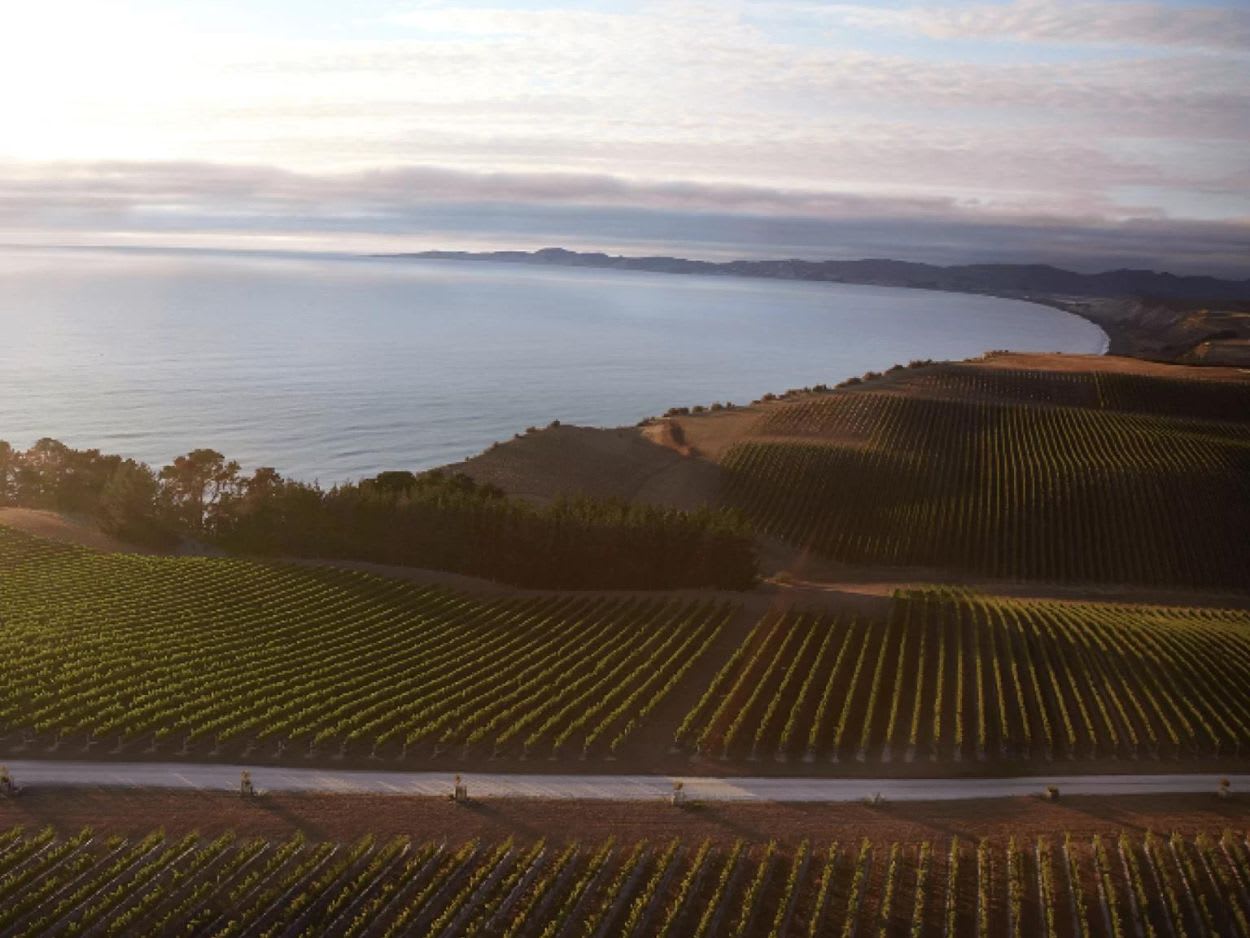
(127,506)
(445,522)
(451,523)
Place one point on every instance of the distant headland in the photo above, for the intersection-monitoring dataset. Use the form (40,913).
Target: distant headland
(1145,313)
(1017,280)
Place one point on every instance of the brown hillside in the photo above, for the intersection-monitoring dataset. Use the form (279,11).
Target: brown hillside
(629,463)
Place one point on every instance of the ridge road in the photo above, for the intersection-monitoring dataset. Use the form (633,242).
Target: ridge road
(201,777)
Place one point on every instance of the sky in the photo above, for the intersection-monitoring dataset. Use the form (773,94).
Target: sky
(1092,135)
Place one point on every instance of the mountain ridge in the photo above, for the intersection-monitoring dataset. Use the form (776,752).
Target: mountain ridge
(1011,280)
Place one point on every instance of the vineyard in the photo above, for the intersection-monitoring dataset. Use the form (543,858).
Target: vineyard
(953,675)
(109,651)
(157,885)
(112,653)
(1100,390)
(1066,477)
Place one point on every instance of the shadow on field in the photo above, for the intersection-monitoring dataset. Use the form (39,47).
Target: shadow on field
(282,812)
(512,820)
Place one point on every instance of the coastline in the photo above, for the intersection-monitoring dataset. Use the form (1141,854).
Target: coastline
(1114,342)
(695,363)
(1114,338)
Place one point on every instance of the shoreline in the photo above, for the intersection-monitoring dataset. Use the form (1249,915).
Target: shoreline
(1111,344)
(1120,335)
(436,452)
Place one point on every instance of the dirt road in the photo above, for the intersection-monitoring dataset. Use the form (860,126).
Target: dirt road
(181,776)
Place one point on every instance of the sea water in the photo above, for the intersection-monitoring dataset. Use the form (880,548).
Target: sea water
(334,367)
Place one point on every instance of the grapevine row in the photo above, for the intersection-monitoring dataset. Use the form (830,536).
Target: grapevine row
(983,678)
(158,885)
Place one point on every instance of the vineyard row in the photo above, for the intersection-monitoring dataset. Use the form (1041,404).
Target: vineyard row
(951,675)
(111,650)
(158,885)
(1002,490)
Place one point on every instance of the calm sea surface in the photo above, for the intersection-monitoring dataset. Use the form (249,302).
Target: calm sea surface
(335,368)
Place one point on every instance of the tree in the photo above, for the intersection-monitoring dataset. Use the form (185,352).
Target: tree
(8,474)
(198,487)
(128,505)
(42,473)
(394,482)
(264,482)
(52,475)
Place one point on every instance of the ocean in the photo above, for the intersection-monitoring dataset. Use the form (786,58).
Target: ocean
(335,367)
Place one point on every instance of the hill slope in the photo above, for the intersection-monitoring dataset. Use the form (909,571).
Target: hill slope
(1068,469)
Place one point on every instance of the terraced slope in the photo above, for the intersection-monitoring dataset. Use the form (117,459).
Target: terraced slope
(193,654)
(1011,474)
(955,676)
(156,885)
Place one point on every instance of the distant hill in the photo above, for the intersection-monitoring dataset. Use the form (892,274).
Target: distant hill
(1019,280)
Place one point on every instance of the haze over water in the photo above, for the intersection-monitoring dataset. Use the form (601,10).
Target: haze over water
(335,368)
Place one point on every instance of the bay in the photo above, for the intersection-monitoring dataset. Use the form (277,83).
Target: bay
(334,367)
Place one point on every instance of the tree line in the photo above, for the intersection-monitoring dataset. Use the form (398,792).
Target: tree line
(432,519)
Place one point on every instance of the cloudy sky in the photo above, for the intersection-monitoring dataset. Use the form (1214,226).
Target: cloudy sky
(1090,134)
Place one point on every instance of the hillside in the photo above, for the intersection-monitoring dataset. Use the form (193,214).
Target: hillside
(618,463)
(196,656)
(227,659)
(1063,469)
(1186,332)
(1010,475)
(1086,513)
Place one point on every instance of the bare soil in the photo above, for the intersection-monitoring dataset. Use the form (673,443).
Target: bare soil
(623,463)
(710,435)
(345,817)
(67,529)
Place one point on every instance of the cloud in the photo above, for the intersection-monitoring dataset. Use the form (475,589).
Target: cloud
(130,188)
(429,206)
(1074,23)
(733,109)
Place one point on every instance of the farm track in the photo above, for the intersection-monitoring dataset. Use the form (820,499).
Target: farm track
(181,776)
